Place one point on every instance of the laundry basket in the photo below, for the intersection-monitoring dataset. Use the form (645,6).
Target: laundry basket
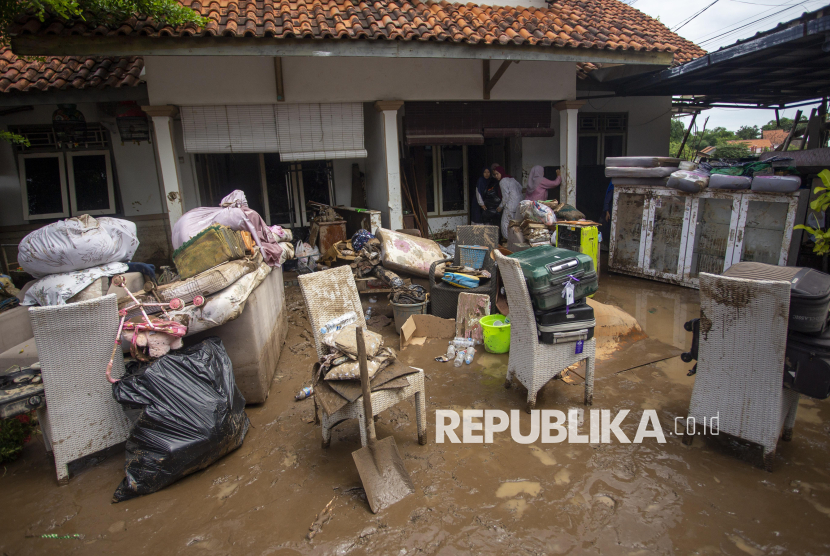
(472,255)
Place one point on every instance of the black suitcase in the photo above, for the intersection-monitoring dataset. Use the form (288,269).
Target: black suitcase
(809,292)
(559,326)
(807,364)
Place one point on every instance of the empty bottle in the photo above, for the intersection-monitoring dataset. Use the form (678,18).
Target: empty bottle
(304,393)
(339,322)
(451,351)
(368,314)
(463,343)
(471,352)
(459,358)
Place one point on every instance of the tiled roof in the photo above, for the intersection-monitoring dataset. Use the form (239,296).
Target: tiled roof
(775,136)
(58,73)
(592,24)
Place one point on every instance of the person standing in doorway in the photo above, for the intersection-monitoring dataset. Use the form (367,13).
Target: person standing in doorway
(538,185)
(488,198)
(511,196)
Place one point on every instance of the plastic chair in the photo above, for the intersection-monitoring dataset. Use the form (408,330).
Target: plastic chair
(328,295)
(740,366)
(74,343)
(444,297)
(533,363)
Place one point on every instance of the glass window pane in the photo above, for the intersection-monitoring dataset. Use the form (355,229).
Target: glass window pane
(430,173)
(452,178)
(316,184)
(764,231)
(711,236)
(90,173)
(667,229)
(278,199)
(43,185)
(629,216)
(613,145)
(587,152)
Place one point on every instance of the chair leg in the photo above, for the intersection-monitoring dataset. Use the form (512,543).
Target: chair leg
(326,433)
(769,458)
(788,435)
(688,439)
(63,473)
(531,400)
(589,381)
(316,413)
(420,416)
(508,382)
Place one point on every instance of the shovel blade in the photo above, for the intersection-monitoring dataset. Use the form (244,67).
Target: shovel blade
(383,474)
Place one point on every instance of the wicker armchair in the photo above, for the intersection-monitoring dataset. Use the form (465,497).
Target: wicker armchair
(74,343)
(444,297)
(739,380)
(532,363)
(328,295)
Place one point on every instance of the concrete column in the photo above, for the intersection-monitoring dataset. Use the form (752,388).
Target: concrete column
(163,124)
(568,140)
(389,111)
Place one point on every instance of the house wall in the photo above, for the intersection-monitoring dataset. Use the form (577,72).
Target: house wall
(136,180)
(375,163)
(191,80)
(649,122)
(343,179)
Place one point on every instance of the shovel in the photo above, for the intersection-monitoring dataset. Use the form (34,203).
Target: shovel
(379,464)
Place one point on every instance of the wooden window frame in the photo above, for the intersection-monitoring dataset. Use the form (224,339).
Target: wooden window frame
(24,192)
(70,177)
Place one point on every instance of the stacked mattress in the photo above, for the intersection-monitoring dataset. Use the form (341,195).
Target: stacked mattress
(640,170)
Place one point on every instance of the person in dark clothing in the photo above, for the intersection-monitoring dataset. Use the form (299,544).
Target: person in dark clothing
(488,197)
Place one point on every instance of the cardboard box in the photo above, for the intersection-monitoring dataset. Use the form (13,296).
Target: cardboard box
(418,328)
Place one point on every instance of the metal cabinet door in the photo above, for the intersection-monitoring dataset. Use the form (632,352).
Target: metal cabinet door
(764,228)
(629,223)
(668,226)
(710,242)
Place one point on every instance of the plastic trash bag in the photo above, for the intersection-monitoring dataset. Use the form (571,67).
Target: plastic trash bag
(77,243)
(193,414)
(307,257)
(537,212)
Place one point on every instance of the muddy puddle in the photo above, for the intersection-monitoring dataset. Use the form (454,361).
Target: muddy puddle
(495,498)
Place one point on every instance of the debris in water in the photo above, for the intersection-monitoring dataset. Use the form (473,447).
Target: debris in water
(306,392)
(56,536)
(321,519)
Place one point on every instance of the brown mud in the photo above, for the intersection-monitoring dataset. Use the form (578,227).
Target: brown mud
(500,498)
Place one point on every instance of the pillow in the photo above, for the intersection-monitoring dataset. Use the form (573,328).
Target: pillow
(350,370)
(346,341)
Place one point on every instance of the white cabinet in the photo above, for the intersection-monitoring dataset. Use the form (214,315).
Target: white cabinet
(672,236)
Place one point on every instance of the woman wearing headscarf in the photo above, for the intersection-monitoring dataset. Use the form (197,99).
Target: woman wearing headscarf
(537,185)
(488,198)
(511,196)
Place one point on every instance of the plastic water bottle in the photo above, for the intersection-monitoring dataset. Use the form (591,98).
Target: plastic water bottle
(463,343)
(471,352)
(368,314)
(304,393)
(451,351)
(339,322)
(459,358)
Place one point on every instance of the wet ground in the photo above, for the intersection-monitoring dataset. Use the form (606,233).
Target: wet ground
(498,498)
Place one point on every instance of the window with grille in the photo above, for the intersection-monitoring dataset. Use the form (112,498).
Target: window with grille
(601,135)
(58,180)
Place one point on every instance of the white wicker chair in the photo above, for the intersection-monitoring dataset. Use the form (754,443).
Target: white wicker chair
(533,363)
(740,367)
(74,343)
(328,295)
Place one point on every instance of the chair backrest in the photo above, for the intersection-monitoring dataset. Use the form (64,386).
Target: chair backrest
(522,319)
(74,343)
(487,236)
(743,337)
(329,294)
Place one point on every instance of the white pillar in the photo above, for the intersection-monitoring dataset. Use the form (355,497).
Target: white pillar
(389,111)
(568,131)
(163,124)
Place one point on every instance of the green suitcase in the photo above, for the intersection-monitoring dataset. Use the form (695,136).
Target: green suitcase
(547,269)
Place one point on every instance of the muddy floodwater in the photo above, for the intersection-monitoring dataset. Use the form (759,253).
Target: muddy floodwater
(499,498)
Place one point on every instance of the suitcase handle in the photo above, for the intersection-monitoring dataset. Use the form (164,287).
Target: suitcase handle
(553,268)
(572,336)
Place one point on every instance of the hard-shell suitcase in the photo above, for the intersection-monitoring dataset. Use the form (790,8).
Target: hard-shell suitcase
(809,292)
(807,364)
(547,269)
(569,324)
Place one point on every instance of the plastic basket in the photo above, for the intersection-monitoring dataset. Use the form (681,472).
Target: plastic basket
(472,255)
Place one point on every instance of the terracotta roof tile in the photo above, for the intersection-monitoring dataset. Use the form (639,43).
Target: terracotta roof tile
(57,73)
(591,24)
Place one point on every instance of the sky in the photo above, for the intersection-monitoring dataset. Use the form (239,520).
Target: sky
(723,23)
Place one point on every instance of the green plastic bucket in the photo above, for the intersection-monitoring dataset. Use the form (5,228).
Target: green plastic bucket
(402,312)
(496,338)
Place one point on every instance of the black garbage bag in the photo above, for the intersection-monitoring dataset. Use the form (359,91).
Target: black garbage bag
(193,415)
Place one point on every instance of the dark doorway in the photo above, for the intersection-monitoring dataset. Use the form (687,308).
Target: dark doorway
(222,173)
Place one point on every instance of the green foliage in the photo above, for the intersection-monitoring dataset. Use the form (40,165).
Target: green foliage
(786,124)
(732,151)
(748,132)
(14,433)
(820,204)
(678,130)
(104,12)
(688,150)
(13,138)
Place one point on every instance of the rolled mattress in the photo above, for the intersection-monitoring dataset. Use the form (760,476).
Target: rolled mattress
(631,172)
(641,161)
